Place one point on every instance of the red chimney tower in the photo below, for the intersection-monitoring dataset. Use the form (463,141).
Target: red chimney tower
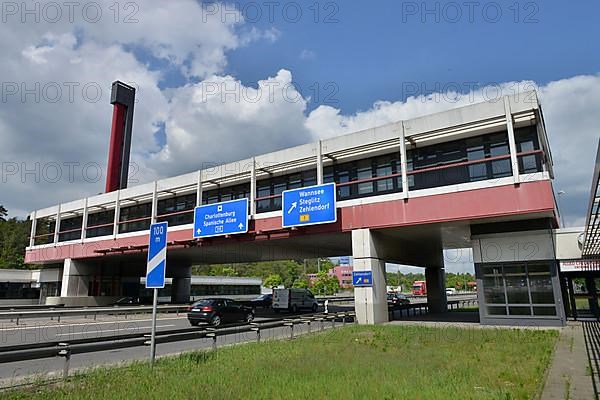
(122,98)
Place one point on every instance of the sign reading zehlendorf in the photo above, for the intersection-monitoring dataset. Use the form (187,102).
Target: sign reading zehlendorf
(310,205)
(226,218)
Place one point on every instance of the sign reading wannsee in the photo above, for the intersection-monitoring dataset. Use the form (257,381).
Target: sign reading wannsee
(218,219)
(309,205)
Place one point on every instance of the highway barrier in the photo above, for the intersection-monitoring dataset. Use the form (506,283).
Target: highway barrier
(34,351)
(423,308)
(17,315)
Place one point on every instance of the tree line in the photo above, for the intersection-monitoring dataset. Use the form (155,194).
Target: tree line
(14,238)
(458,281)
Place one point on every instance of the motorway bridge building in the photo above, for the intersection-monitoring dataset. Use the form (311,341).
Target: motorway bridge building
(475,177)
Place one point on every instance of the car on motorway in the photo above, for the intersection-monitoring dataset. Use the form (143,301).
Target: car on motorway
(128,300)
(262,301)
(450,291)
(294,300)
(397,300)
(217,311)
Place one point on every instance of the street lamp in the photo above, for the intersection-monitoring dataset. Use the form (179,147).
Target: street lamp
(562,217)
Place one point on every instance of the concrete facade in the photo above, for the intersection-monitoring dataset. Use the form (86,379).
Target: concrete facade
(370,302)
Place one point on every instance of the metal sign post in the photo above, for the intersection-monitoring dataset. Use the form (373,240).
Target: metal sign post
(155,273)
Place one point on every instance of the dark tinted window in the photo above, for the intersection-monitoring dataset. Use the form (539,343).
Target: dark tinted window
(202,303)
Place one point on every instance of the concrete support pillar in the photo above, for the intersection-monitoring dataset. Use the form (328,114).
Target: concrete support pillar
(199,190)
(514,160)
(33,229)
(436,289)
(253,188)
(57,227)
(182,284)
(75,278)
(403,162)
(319,163)
(370,302)
(84,220)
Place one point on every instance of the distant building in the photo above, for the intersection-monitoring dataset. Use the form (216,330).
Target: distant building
(25,286)
(343,273)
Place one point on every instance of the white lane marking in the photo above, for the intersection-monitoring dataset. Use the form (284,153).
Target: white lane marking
(112,330)
(122,321)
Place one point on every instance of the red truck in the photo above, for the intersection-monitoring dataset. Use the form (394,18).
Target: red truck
(419,288)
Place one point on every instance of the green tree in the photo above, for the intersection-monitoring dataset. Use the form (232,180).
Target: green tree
(325,284)
(14,238)
(229,271)
(272,281)
(301,283)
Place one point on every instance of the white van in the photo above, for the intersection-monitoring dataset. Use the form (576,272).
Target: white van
(294,300)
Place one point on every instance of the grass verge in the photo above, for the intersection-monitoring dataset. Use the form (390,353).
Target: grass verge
(357,362)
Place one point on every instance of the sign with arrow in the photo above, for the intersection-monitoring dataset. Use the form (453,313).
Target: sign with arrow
(157,256)
(309,206)
(219,219)
(362,278)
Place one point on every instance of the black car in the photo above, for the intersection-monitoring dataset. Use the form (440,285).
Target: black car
(219,311)
(124,301)
(397,300)
(263,301)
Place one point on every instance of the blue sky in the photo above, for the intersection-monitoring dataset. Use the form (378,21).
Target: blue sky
(375,49)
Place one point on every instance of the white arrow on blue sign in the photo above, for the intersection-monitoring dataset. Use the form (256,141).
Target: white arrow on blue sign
(362,278)
(157,256)
(218,219)
(309,205)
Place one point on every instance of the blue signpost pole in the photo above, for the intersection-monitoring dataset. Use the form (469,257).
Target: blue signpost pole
(155,273)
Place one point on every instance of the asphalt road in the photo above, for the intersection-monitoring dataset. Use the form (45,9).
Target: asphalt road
(51,331)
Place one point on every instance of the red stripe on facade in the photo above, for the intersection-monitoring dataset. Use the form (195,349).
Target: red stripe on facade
(527,198)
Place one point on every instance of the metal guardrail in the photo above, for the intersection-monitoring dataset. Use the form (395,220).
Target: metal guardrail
(423,308)
(17,315)
(80,346)
(29,307)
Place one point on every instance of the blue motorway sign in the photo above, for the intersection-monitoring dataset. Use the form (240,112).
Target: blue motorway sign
(157,256)
(308,206)
(226,218)
(362,278)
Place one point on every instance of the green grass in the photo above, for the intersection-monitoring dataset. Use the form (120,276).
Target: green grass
(356,362)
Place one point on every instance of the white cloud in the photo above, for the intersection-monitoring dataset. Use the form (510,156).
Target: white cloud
(220,120)
(55,88)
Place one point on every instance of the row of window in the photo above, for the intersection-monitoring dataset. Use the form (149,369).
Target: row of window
(207,290)
(480,158)
(14,290)
(518,289)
